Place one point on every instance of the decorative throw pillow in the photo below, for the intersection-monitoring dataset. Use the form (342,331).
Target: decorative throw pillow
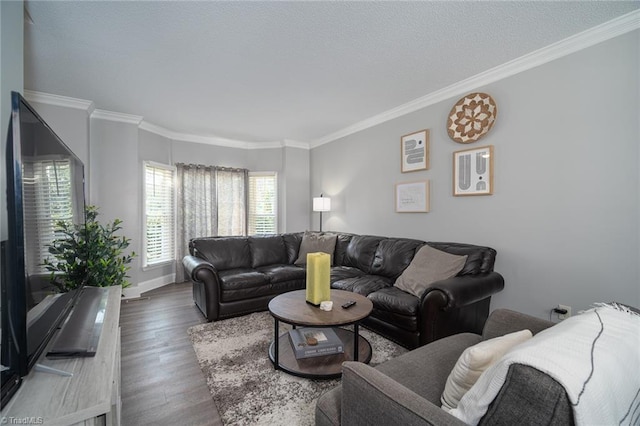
(313,242)
(428,266)
(474,361)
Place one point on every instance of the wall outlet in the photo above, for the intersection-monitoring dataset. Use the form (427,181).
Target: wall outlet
(567,315)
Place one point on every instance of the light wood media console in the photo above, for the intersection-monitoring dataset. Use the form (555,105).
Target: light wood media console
(90,397)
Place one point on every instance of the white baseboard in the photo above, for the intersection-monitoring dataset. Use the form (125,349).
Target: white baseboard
(134,291)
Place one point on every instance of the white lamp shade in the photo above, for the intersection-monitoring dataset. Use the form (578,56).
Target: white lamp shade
(321,204)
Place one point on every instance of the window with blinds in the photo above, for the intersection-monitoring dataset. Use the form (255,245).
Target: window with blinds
(47,200)
(159,214)
(263,203)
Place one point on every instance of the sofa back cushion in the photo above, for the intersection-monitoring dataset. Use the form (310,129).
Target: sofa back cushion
(339,255)
(361,252)
(480,260)
(267,250)
(292,243)
(223,252)
(393,255)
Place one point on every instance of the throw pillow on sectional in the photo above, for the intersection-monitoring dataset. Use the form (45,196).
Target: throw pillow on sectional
(428,266)
(313,242)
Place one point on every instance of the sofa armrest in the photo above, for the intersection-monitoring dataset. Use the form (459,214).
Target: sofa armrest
(463,290)
(198,270)
(504,321)
(206,285)
(370,397)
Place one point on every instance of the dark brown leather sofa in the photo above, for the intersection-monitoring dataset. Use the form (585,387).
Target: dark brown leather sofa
(238,275)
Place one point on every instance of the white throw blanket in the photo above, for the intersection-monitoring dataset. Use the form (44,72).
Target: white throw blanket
(594,355)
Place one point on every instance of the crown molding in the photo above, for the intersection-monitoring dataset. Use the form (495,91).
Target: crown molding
(158,130)
(296,144)
(217,141)
(101,114)
(186,137)
(57,100)
(89,107)
(598,34)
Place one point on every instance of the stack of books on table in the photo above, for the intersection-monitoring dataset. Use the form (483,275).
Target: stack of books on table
(312,342)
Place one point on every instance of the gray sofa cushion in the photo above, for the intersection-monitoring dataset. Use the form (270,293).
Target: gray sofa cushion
(371,398)
(505,321)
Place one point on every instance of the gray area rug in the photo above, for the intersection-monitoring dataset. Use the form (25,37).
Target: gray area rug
(233,355)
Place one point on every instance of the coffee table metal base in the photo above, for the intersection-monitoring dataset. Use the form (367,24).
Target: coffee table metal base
(322,367)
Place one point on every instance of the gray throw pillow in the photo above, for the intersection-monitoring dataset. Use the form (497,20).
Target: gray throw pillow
(428,266)
(313,242)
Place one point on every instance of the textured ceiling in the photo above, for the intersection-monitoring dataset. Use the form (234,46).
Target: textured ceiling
(274,71)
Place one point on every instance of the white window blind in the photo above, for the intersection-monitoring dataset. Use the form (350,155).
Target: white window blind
(47,200)
(159,212)
(263,202)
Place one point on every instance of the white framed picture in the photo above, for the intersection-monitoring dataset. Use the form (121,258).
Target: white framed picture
(473,171)
(414,151)
(412,197)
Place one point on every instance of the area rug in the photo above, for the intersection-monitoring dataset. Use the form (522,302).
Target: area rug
(233,355)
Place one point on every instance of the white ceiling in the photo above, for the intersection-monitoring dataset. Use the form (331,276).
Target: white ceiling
(276,71)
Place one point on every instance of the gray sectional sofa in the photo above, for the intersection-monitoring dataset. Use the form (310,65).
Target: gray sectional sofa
(238,275)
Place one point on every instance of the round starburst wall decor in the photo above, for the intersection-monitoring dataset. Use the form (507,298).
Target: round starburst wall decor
(471,117)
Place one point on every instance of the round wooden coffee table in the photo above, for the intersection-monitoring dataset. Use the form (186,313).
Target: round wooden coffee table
(293,309)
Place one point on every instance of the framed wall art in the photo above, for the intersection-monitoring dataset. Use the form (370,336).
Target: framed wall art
(414,151)
(473,171)
(412,197)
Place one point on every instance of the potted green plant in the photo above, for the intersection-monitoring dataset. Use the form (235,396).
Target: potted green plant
(89,253)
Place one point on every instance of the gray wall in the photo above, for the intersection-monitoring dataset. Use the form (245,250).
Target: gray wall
(116,179)
(296,188)
(564,216)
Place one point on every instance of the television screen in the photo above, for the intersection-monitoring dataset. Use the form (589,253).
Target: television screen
(45,185)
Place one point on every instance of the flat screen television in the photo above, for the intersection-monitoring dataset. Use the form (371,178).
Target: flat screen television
(45,184)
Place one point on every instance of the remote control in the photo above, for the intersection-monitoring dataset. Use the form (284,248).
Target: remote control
(349,304)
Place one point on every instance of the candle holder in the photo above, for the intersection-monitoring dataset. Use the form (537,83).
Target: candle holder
(318,274)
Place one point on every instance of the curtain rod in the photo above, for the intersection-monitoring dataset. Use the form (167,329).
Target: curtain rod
(202,166)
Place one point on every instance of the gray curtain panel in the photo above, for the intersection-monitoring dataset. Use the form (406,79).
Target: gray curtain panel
(211,201)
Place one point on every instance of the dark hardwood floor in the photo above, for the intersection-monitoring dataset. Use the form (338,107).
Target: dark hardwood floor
(162,383)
